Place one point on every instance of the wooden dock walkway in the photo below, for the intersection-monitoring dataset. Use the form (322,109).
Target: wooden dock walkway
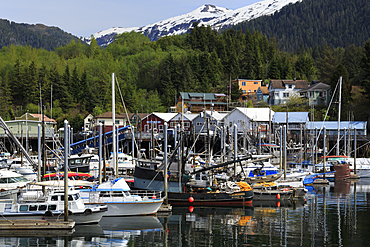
(36,225)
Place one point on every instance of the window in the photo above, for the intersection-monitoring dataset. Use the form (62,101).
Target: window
(172,124)
(160,128)
(249,91)
(42,207)
(33,207)
(199,123)
(244,91)
(243,83)
(146,128)
(276,94)
(117,122)
(256,82)
(23,208)
(289,86)
(101,121)
(255,91)
(186,124)
(52,207)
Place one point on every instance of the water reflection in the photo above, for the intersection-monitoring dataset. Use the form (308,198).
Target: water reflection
(331,215)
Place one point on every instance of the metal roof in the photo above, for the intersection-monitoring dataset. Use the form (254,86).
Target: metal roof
(204,96)
(333,125)
(293,117)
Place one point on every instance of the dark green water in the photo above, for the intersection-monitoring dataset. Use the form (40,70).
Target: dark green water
(334,215)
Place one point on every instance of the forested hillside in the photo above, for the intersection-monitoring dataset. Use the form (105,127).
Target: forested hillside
(36,36)
(310,23)
(151,74)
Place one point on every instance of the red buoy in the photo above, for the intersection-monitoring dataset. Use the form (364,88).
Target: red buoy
(278,196)
(154,197)
(191,209)
(191,199)
(278,204)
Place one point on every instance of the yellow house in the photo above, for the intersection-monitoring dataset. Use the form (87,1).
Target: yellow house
(248,87)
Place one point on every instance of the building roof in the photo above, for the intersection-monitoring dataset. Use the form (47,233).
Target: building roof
(216,115)
(293,117)
(109,115)
(264,89)
(187,116)
(37,117)
(204,96)
(317,87)
(130,115)
(333,125)
(164,116)
(256,114)
(280,84)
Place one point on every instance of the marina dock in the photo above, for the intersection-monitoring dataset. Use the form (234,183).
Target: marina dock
(36,225)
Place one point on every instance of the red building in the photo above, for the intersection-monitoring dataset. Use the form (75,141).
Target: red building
(156,121)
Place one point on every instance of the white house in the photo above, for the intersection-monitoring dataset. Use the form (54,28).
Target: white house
(281,90)
(187,119)
(215,118)
(249,118)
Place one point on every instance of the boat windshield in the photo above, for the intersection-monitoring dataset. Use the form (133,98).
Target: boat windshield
(12,180)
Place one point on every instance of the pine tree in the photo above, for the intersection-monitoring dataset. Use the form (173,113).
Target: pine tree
(30,91)
(365,64)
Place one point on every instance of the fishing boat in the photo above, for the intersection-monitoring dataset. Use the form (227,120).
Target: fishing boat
(148,175)
(121,200)
(233,196)
(191,189)
(270,192)
(33,205)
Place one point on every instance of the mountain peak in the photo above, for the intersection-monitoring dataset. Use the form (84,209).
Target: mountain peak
(207,15)
(210,8)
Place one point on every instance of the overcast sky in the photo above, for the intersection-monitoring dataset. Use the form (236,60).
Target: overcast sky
(86,17)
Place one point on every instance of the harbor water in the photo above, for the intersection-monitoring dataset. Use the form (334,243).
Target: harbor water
(333,215)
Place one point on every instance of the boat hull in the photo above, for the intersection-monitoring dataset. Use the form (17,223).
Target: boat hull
(132,208)
(241,198)
(272,195)
(79,218)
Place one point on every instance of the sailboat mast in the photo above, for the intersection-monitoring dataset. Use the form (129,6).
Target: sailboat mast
(339,109)
(113,161)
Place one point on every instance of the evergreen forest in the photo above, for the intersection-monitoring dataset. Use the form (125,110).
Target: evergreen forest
(75,79)
(310,23)
(37,36)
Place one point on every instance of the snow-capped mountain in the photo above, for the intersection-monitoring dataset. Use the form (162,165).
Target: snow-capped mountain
(207,15)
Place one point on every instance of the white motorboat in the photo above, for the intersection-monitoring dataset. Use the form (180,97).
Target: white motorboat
(22,167)
(126,165)
(12,180)
(121,200)
(362,166)
(33,205)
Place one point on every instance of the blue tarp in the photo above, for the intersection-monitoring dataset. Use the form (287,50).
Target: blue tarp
(309,179)
(97,137)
